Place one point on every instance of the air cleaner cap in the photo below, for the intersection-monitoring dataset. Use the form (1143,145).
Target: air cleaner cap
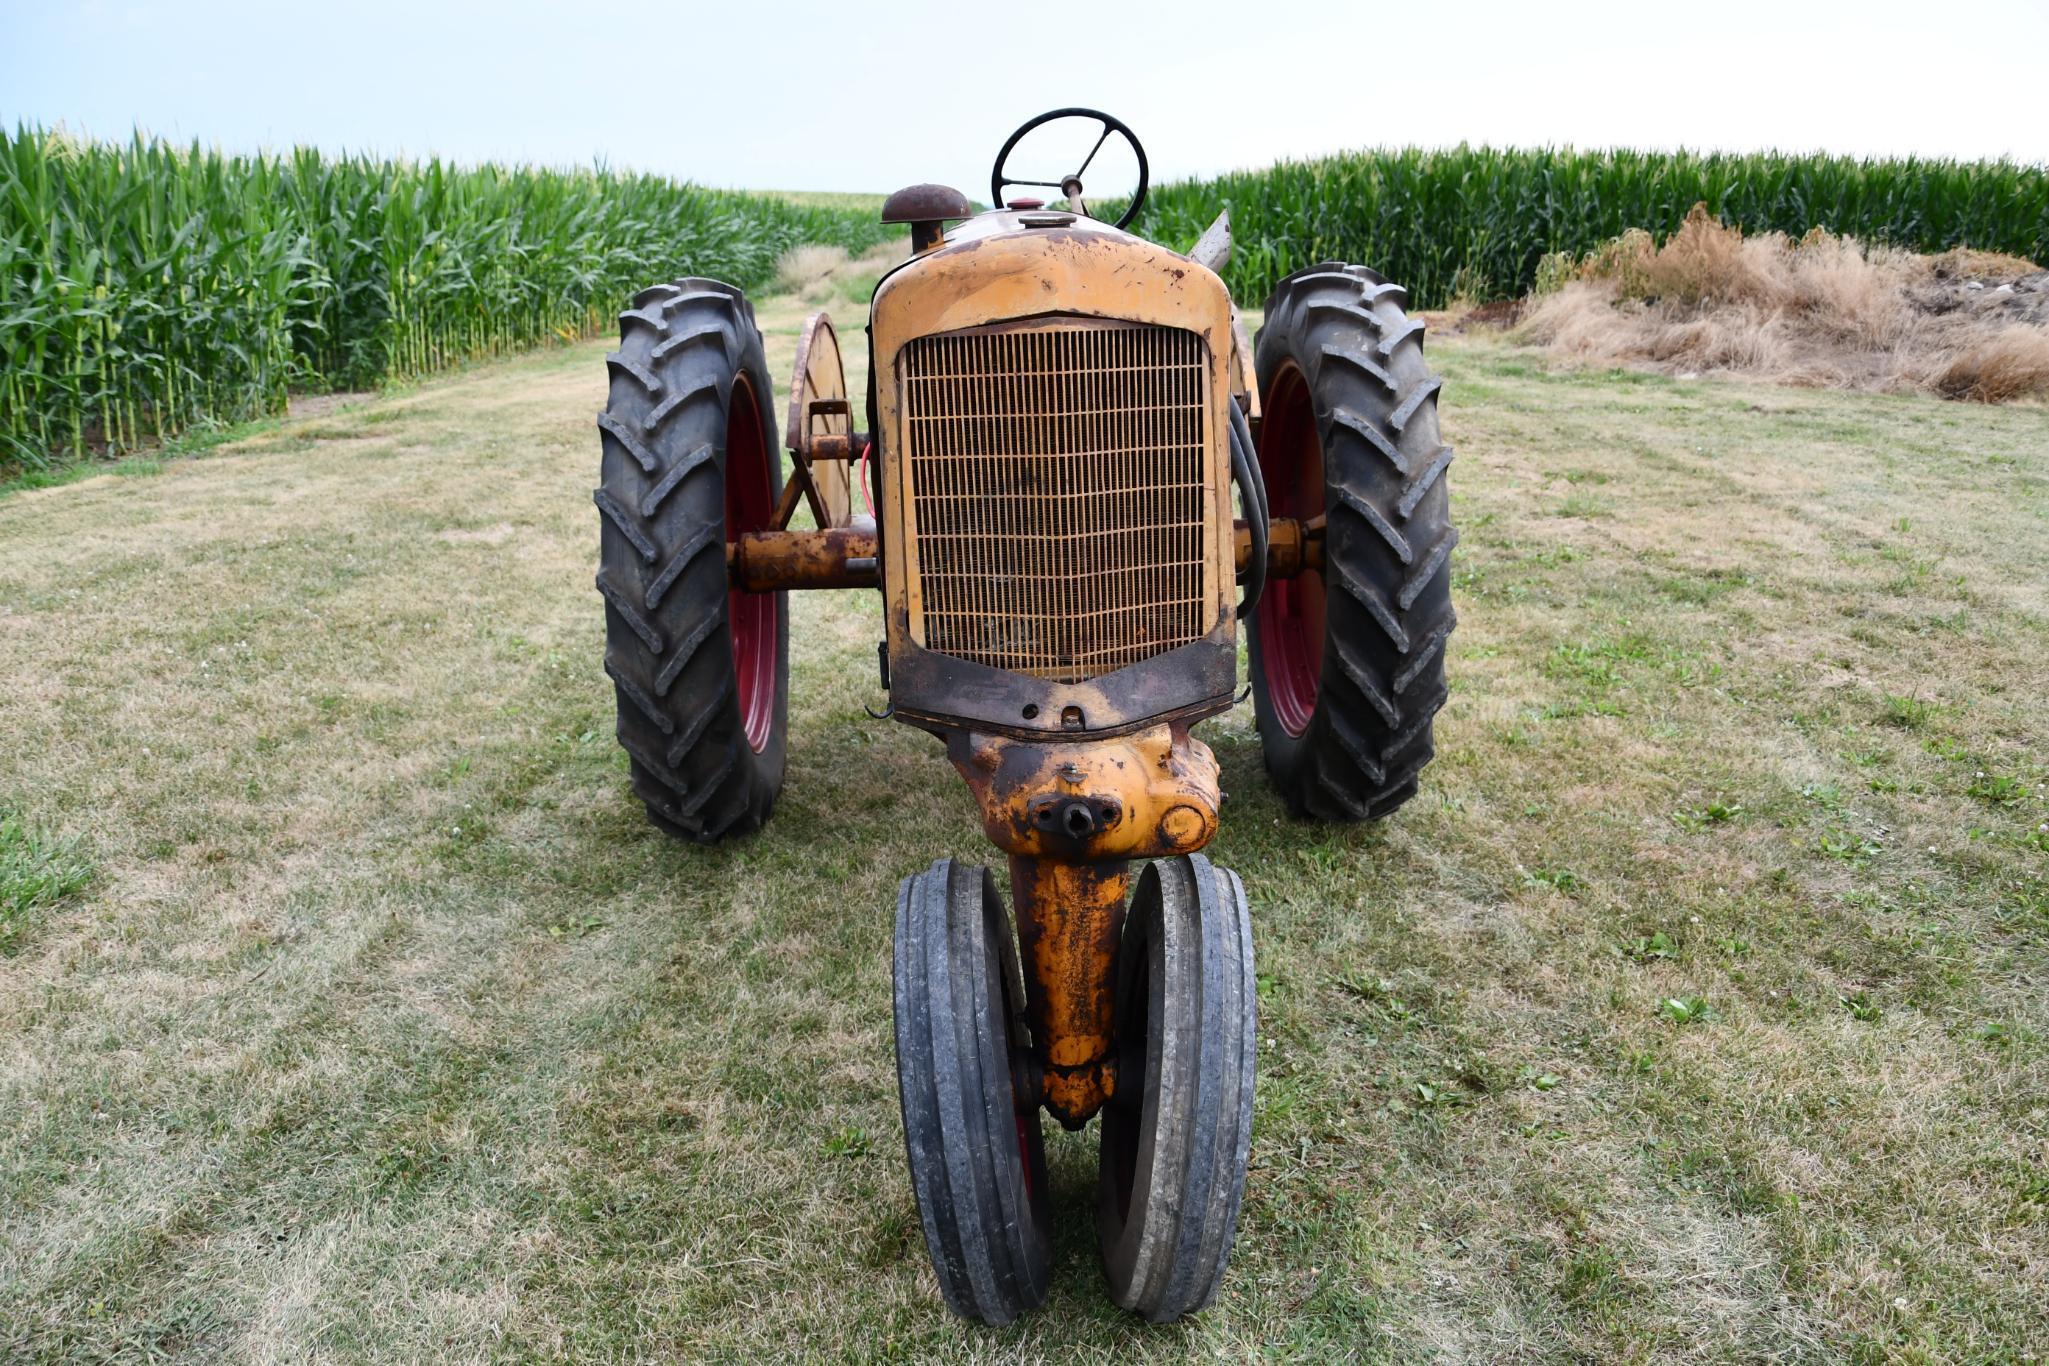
(925,208)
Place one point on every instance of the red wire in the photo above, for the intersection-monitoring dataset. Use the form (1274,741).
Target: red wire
(867,500)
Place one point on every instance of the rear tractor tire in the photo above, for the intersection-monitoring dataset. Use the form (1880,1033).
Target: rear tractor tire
(690,460)
(1348,664)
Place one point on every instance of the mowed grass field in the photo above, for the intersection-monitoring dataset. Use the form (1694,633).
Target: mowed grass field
(1696,1007)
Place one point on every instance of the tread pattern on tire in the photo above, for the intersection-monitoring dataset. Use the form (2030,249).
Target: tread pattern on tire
(1165,1255)
(985,1216)
(1387,545)
(661,509)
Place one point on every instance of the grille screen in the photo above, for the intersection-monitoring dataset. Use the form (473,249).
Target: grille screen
(1057,481)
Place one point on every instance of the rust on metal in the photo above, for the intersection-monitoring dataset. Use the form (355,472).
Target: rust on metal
(1292,547)
(1150,794)
(798,485)
(819,409)
(1072,816)
(1069,919)
(918,203)
(778,561)
(843,446)
(926,208)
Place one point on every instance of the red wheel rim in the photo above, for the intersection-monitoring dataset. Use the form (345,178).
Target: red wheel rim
(1290,611)
(750,617)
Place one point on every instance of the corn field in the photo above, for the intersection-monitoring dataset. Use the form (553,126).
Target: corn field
(1473,222)
(147,288)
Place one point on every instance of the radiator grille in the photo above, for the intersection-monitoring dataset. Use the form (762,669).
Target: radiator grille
(1057,480)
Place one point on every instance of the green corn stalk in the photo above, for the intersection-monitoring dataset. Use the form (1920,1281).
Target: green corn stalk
(1478,219)
(146,288)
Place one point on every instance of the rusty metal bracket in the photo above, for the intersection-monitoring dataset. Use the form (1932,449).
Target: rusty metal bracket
(799,485)
(1070,917)
(839,446)
(1292,547)
(779,561)
(1072,816)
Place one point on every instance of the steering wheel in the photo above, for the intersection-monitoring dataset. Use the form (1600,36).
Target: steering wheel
(1070,184)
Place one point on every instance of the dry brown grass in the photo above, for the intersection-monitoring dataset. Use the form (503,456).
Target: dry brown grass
(1970,263)
(819,273)
(2010,364)
(802,268)
(1819,312)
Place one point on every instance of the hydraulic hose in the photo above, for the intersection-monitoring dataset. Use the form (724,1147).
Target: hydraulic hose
(1252,488)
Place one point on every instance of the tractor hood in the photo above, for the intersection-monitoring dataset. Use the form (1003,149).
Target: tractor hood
(1009,264)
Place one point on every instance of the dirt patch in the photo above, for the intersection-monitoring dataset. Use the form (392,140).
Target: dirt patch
(1820,311)
(1987,295)
(1494,316)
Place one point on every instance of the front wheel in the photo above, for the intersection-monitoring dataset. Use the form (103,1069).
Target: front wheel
(977,1159)
(1178,1128)
(702,673)
(1348,663)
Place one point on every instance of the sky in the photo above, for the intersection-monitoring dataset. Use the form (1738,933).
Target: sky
(849,97)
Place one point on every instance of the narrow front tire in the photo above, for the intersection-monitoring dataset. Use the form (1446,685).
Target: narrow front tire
(977,1158)
(1177,1132)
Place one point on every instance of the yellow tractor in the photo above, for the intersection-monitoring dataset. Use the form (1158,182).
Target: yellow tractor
(1058,416)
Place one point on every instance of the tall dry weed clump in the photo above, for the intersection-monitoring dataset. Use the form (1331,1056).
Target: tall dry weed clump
(823,274)
(2008,365)
(808,271)
(1819,310)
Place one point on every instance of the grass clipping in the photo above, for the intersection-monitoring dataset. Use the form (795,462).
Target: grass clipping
(1821,311)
